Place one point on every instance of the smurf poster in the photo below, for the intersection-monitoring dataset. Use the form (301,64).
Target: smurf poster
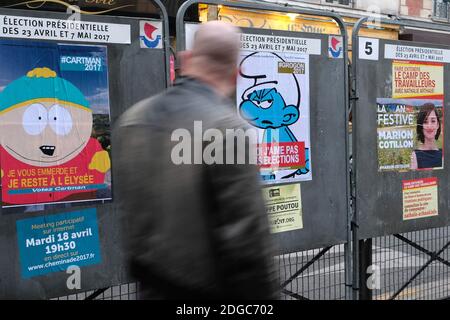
(54,124)
(273,96)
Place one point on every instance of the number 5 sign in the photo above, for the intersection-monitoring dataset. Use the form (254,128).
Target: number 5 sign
(368,48)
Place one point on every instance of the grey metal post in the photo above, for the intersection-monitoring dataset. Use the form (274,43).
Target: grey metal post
(181,45)
(365,261)
(354,98)
(166,36)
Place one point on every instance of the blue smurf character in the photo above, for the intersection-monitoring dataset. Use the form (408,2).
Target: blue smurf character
(264,107)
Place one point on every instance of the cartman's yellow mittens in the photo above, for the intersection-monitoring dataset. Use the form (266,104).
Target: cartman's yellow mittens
(2,173)
(100,162)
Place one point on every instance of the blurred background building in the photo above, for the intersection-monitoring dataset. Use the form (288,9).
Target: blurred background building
(433,11)
(436,12)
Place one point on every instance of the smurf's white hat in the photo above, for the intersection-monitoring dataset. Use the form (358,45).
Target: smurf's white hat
(259,70)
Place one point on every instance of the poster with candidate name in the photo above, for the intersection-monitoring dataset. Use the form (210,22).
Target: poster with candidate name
(284,207)
(410,134)
(410,125)
(273,97)
(54,124)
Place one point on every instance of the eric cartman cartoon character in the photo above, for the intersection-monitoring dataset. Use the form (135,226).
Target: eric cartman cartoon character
(47,152)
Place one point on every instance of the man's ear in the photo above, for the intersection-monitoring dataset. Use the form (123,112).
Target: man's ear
(184,57)
(236,72)
(234,76)
(290,115)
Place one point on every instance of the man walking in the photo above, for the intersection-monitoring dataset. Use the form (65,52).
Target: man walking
(193,231)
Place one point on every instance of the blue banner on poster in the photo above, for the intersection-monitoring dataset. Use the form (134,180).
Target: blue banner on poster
(82,63)
(53,243)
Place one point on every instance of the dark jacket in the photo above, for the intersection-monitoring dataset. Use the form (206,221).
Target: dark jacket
(191,231)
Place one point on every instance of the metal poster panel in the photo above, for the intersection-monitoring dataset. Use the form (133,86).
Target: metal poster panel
(399,137)
(87,86)
(302,131)
(54,117)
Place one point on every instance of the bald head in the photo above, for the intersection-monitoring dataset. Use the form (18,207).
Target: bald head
(217,42)
(214,54)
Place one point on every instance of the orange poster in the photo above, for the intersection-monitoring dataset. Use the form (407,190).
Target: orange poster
(413,79)
(420,198)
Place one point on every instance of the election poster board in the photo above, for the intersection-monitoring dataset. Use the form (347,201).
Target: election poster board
(54,124)
(301,128)
(280,95)
(400,116)
(273,97)
(104,55)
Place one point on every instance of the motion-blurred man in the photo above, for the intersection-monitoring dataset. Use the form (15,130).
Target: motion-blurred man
(193,231)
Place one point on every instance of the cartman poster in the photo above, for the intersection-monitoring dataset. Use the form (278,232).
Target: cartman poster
(54,123)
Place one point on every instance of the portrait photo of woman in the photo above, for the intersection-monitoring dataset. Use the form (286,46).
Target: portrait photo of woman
(427,154)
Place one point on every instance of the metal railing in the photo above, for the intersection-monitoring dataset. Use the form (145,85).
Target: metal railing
(413,266)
